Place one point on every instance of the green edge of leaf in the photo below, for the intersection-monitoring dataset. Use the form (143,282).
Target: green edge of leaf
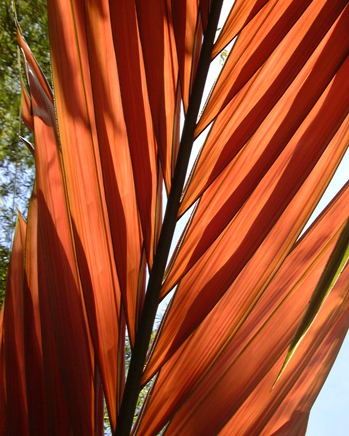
(334,267)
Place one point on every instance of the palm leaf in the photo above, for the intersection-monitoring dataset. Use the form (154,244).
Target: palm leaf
(334,268)
(13,338)
(232,331)
(62,282)
(34,363)
(110,154)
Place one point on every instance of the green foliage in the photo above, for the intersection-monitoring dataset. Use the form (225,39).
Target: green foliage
(4,260)
(16,163)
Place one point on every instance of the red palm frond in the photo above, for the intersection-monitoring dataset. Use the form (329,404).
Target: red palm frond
(13,338)
(110,153)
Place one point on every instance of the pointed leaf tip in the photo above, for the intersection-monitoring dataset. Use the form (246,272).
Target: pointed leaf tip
(28,144)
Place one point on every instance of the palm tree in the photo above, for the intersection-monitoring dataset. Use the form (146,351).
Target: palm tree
(239,350)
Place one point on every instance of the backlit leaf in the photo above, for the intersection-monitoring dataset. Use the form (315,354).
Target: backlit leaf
(334,267)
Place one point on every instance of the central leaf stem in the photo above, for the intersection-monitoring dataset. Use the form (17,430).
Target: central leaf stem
(133,382)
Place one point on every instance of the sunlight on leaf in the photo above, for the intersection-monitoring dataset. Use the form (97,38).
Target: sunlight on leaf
(334,267)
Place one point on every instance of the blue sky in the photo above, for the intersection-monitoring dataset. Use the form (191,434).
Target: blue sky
(329,415)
